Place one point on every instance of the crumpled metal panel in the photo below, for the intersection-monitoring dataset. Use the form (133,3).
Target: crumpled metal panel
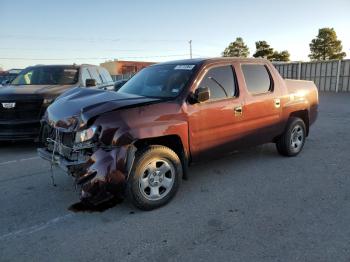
(105,177)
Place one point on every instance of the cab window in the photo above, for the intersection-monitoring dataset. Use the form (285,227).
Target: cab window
(95,75)
(47,75)
(85,75)
(106,77)
(221,82)
(257,78)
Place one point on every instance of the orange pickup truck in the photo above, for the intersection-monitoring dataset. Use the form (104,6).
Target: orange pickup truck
(140,140)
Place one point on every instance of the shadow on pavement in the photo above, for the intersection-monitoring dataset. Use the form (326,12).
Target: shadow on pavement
(85,207)
(18,144)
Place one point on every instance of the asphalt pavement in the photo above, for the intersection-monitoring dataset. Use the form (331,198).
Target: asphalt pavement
(253,205)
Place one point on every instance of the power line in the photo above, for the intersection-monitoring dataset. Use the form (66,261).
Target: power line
(87,39)
(88,58)
(68,49)
(73,58)
(80,49)
(99,39)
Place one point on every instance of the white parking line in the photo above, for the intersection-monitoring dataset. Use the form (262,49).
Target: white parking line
(30,158)
(35,228)
(8,162)
(20,160)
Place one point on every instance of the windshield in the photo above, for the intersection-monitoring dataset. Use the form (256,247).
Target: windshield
(162,81)
(47,75)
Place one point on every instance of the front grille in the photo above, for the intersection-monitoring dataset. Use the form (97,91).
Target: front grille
(66,138)
(25,109)
(62,143)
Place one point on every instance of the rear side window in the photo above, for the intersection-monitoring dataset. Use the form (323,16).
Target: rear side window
(106,77)
(95,75)
(257,78)
(85,75)
(220,81)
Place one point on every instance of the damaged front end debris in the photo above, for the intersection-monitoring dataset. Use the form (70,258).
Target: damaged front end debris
(122,142)
(100,170)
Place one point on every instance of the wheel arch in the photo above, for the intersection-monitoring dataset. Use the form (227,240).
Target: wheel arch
(173,142)
(304,115)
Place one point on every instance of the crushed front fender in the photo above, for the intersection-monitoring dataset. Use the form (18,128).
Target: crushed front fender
(105,177)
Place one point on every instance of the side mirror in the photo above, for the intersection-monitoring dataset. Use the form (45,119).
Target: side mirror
(201,94)
(90,82)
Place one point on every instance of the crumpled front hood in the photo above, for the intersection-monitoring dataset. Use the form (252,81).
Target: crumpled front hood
(75,107)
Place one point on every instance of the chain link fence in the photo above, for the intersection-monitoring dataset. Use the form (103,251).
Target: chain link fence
(122,77)
(329,76)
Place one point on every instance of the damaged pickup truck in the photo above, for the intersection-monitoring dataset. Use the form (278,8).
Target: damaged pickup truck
(140,140)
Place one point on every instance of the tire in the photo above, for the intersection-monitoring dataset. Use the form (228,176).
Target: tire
(292,140)
(155,177)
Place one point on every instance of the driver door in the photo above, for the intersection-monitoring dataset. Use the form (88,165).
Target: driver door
(215,125)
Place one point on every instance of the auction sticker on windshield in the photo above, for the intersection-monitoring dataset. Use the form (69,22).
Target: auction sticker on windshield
(184,67)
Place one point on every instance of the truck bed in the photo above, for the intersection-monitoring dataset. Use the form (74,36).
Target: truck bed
(297,85)
(302,91)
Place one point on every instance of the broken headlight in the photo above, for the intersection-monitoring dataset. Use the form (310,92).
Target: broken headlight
(85,135)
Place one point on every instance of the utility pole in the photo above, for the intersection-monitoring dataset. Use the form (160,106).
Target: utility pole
(190,42)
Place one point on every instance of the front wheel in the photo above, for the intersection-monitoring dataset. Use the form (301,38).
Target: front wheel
(292,140)
(154,178)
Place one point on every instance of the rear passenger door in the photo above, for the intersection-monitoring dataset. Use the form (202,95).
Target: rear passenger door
(215,125)
(262,108)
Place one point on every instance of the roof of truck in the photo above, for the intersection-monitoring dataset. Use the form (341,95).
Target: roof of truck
(197,61)
(67,65)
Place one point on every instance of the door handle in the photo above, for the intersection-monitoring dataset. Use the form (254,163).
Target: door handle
(277,103)
(238,110)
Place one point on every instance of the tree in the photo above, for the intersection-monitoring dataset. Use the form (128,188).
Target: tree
(283,56)
(263,49)
(326,45)
(236,49)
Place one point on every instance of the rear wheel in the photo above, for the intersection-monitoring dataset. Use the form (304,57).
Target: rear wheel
(292,140)
(155,177)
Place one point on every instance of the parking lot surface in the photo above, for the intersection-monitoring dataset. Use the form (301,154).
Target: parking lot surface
(253,205)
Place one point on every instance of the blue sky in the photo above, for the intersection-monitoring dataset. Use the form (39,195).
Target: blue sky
(91,31)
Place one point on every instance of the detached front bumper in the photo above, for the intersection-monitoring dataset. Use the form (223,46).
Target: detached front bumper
(59,160)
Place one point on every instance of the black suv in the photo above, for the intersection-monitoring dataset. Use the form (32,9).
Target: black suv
(23,103)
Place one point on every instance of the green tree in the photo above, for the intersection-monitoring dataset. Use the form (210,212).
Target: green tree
(326,45)
(236,49)
(263,49)
(283,56)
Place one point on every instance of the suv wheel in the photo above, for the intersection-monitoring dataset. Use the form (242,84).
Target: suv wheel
(292,140)
(154,178)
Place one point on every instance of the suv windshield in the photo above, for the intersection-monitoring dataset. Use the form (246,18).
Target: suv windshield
(160,81)
(47,75)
